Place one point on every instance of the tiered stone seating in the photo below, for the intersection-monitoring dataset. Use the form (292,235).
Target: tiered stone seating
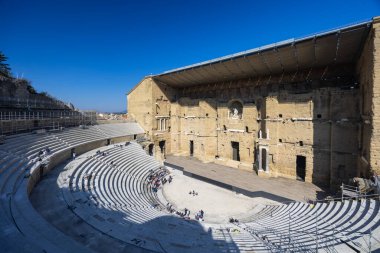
(22,229)
(334,225)
(118,201)
(121,187)
(114,130)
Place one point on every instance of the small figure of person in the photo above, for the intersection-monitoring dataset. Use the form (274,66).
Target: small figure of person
(74,155)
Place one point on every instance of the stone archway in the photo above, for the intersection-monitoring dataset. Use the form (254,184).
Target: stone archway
(151,149)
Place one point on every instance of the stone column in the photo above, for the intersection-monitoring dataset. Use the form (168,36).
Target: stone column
(260,161)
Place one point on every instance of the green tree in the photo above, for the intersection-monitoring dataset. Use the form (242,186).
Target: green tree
(5,70)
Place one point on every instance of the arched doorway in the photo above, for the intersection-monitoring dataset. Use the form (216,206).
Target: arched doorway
(264,159)
(151,148)
(162,146)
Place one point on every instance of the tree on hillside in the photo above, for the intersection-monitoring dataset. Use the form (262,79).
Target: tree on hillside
(5,70)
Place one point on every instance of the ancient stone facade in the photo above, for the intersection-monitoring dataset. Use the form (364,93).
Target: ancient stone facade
(317,124)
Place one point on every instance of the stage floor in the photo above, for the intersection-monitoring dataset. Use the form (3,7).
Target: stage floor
(277,189)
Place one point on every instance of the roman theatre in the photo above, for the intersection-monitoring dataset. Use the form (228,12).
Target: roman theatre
(274,149)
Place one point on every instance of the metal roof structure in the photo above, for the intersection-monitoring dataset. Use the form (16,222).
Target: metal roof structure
(334,47)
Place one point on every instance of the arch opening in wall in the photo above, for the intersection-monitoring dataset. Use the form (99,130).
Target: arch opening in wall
(161,144)
(151,147)
(191,148)
(300,167)
(235,151)
(235,110)
(264,160)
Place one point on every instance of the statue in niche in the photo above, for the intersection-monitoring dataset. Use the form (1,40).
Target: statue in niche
(235,113)
(235,110)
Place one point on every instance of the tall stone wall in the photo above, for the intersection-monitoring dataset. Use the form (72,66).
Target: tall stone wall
(149,103)
(321,124)
(368,70)
(140,104)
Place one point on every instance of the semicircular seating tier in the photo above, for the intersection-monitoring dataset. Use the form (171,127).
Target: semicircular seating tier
(22,228)
(113,195)
(343,226)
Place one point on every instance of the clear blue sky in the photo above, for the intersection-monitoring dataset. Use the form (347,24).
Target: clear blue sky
(91,53)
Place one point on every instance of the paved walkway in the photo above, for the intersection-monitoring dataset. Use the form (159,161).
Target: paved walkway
(277,189)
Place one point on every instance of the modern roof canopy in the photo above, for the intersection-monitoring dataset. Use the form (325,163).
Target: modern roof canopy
(338,46)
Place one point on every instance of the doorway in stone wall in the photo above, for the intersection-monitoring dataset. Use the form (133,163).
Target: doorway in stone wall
(151,146)
(301,167)
(162,146)
(264,155)
(235,151)
(191,148)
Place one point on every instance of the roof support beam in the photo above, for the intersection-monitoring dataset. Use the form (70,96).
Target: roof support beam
(212,74)
(175,77)
(338,35)
(186,75)
(279,59)
(295,54)
(262,57)
(308,74)
(315,50)
(195,70)
(250,65)
(294,76)
(216,70)
(239,67)
(229,71)
(324,72)
(362,42)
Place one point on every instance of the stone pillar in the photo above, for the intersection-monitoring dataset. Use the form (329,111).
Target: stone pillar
(375,137)
(260,161)
(369,69)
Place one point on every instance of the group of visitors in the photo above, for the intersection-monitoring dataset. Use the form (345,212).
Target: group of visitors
(120,145)
(100,153)
(43,153)
(194,193)
(199,215)
(185,213)
(232,220)
(156,179)
(164,180)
